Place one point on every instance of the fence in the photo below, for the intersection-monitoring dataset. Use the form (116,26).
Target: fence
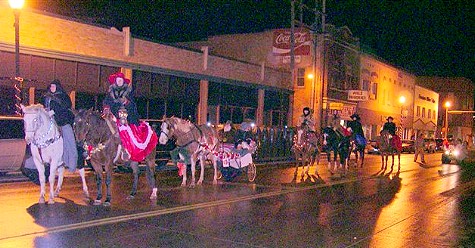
(274,144)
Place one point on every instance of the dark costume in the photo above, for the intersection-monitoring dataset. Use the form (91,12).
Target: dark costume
(357,129)
(391,128)
(121,96)
(60,103)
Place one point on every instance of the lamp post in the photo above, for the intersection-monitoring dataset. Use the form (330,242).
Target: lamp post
(402,101)
(16,5)
(447,106)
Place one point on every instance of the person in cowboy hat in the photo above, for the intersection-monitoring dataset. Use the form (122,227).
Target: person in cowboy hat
(356,127)
(119,95)
(390,126)
(306,119)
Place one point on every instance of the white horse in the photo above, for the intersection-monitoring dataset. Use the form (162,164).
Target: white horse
(46,144)
(200,142)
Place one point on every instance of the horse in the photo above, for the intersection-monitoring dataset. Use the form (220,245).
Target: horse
(388,147)
(46,146)
(305,149)
(339,145)
(199,142)
(358,146)
(104,147)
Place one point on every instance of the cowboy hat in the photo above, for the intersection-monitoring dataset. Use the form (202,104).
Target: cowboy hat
(116,75)
(389,117)
(355,115)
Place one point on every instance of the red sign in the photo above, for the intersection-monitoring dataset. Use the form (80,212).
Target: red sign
(281,43)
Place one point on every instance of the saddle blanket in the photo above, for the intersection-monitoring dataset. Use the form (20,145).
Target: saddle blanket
(138,140)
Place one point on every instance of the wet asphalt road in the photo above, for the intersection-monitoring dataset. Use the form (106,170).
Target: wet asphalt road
(428,205)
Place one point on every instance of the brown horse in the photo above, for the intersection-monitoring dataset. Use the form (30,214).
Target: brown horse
(305,149)
(386,148)
(200,142)
(104,147)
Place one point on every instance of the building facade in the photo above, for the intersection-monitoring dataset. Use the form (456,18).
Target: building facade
(460,93)
(171,80)
(426,112)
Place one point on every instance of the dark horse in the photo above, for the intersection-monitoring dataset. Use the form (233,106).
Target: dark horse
(305,149)
(358,145)
(102,142)
(339,145)
(388,147)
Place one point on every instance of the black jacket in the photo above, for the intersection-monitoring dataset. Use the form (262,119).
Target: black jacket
(61,104)
(391,127)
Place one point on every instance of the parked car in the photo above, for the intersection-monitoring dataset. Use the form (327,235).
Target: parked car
(439,144)
(408,146)
(12,143)
(430,145)
(372,147)
(455,152)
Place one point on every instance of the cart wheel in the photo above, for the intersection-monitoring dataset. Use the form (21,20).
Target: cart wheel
(251,172)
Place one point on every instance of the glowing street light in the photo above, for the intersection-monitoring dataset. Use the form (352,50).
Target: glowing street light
(447,105)
(402,101)
(16,5)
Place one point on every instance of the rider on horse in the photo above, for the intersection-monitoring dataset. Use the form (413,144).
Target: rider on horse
(119,95)
(390,126)
(307,121)
(357,129)
(137,137)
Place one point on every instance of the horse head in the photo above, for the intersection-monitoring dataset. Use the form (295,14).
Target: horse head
(33,120)
(166,130)
(82,123)
(123,115)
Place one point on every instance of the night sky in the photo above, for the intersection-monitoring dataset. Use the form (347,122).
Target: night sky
(427,38)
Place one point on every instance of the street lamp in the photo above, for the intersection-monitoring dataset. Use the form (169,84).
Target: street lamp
(447,106)
(16,5)
(402,101)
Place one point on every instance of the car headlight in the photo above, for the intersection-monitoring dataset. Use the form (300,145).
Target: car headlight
(456,152)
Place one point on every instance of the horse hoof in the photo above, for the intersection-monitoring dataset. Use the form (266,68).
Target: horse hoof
(51,202)
(41,200)
(97,202)
(86,195)
(106,204)
(130,197)
(153,197)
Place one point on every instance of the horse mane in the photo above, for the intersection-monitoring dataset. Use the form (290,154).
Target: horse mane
(34,108)
(98,129)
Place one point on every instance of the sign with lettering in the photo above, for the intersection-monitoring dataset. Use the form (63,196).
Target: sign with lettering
(358,95)
(336,105)
(281,44)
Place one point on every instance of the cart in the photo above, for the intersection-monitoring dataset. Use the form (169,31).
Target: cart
(233,161)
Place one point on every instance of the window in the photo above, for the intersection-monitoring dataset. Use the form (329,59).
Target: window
(429,114)
(301,77)
(418,111)
(366,84)
(374,90)
(423,112)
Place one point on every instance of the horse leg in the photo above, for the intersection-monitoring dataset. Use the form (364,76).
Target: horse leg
(362,157)
(107,202)
(99,176)
(82,173)
(52,176)
(215,167)
(151,178)
(135,168)
(42,178)
(202,172)
(60,180)
(193,170)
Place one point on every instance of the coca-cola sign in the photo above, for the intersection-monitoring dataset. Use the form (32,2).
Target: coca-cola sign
(281,43)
